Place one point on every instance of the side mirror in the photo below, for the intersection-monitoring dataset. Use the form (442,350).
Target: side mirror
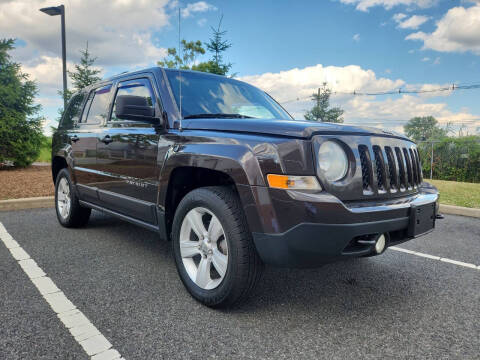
(132,107)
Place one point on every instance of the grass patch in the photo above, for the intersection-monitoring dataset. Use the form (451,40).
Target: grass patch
(45,151)
(458,193)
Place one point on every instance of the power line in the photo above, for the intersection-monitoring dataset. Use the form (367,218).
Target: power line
(398,91)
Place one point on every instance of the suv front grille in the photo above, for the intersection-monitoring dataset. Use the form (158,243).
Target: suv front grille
(399,171)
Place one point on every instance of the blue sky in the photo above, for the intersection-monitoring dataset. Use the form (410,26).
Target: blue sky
(287,48)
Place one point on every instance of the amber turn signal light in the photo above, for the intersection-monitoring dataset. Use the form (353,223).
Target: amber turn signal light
(293,182)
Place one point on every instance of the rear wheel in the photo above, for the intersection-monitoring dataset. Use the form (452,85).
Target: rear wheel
(69,212)
(213,248)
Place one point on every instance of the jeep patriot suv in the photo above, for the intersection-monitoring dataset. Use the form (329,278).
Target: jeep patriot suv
(223,171)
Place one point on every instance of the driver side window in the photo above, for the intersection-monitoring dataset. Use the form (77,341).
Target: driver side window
(139,88)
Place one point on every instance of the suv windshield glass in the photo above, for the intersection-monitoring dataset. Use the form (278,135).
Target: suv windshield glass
(225,97)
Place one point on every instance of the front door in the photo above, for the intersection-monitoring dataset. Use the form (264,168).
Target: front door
(127,158)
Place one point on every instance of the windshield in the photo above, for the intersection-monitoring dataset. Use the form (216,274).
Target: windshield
(204,95)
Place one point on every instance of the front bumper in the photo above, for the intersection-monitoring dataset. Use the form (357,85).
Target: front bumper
(330,228)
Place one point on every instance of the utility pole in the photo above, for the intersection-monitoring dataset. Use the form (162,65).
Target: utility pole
(318,102)
(431,164)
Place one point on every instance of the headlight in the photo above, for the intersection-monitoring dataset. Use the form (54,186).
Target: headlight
(332,161)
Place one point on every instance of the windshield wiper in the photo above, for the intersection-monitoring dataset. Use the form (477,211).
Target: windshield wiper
(219,115)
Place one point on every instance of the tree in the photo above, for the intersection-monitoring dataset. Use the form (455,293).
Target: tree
(321,111)
(190,51)
(20,126)
(84,74)
(422,128)
(217,45)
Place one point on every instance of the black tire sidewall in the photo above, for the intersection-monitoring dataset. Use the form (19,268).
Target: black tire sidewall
(64,174)
(209,200)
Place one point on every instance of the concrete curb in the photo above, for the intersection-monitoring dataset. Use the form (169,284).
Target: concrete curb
(27,203)
(48,202)
(459,210)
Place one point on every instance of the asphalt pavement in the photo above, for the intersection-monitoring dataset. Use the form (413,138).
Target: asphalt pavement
(123,278)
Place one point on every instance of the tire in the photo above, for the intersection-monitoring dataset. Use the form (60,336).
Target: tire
(69,212)
(224,285)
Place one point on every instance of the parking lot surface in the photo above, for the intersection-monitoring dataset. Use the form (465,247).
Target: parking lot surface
(124,280)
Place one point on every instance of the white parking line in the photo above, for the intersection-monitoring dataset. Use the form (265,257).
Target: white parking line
(84,332)
(433,257)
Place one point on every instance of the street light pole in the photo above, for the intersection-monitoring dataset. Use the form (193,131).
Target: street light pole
(64,57)
(60,10)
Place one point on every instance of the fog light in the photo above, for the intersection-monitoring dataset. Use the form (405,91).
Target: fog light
(380,244)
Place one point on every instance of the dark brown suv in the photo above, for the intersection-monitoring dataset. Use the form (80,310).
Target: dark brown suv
(222,170)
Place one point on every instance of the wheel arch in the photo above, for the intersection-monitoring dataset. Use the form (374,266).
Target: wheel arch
(58,163)
(187,171)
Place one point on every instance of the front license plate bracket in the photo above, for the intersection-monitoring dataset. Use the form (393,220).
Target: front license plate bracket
(422,219)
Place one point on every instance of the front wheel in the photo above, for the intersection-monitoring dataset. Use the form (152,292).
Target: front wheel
(69,212)
(213,248)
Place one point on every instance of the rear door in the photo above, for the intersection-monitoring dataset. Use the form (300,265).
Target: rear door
(127,157)
(84,139)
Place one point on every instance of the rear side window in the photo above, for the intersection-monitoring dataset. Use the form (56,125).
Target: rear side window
(140,88)
(96,109)
(74,109)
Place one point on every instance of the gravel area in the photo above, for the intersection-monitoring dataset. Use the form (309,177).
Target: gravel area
(24,183)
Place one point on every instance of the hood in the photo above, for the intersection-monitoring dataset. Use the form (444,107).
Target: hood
(287,128)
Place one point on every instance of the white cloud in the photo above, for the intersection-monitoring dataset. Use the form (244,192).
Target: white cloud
(457,31)
(293,83)
(386,112)
(356,37)
(436,61)
(399,17)
(118,31)
(426,59)
(46,71)
(364,5)
(197,7)
(412,22)
(201,22)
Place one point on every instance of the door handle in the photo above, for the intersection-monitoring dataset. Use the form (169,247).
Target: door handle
(107,139)
(74,138)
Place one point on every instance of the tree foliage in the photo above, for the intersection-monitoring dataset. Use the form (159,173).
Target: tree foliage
(189,53)
(217,46)
(454,158)
(85,74)
(321,111)
(191,50)
(20,126)
(422,128)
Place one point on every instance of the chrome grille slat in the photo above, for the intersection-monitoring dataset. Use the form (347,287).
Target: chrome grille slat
(409,167)
(392,169)
(379,168)
(366,166)
(401,166)
(414,167)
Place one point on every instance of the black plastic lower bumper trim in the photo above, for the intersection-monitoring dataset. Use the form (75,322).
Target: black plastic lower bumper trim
(311,244)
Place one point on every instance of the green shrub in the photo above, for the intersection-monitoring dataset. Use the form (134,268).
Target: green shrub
(454,159)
